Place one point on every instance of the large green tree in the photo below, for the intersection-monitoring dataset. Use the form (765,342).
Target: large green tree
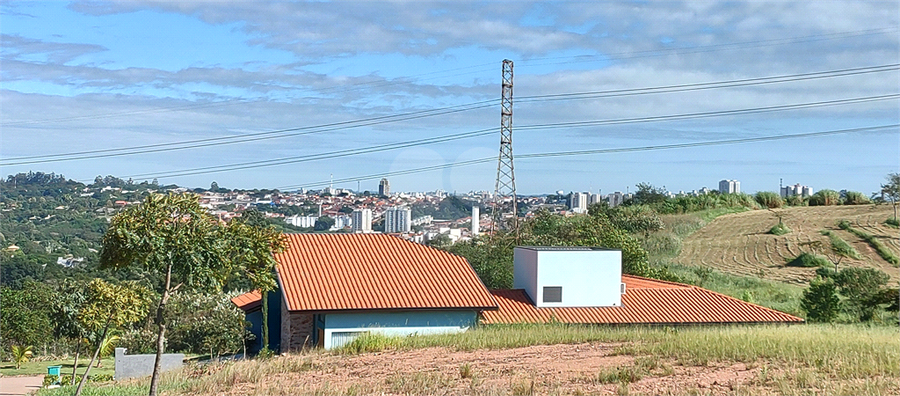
(174,236)
(25,314)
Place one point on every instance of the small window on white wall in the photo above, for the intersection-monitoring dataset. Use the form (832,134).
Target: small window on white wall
(552,294)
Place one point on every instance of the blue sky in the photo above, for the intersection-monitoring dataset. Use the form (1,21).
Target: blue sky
(95,76)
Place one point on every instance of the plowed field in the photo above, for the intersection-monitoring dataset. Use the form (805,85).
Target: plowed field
(740,243)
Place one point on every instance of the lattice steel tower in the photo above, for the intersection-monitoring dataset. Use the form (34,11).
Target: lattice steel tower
(506,178)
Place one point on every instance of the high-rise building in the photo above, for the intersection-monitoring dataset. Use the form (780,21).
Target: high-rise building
(476,220)
(384,187)
(797,189)
(616,199)
(397,219)
(579,202)
(362,220)
(729,187)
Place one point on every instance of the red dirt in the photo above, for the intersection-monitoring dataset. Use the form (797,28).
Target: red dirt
(545,369)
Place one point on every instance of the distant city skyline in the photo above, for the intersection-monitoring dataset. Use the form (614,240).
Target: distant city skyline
(606,95)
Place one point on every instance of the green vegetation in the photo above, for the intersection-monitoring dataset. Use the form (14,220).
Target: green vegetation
(779,229)
(492,258)
(873,241)
(770,200)
(808,260)
(780,296)
(825,197)
(856,198)
(33,367)
(820,301)
(840,246)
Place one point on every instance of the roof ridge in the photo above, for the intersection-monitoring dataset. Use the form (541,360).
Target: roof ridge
(686,285)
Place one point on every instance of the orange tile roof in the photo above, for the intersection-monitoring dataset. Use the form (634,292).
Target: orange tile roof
(646,301)
(326,272)
(248,300)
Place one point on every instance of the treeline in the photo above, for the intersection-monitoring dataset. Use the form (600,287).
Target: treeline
(492,258)
(657,199)
(51,317)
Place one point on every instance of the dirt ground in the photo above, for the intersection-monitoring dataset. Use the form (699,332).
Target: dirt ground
(740,243)
(15,386)
(546,369)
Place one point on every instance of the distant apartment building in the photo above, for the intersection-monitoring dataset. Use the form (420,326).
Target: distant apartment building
(361,220)
(729,187)
(301,221)
(384,187)
(595,198)
(397,220)
(341,222)
(579,202)
(796,190)
(616,199)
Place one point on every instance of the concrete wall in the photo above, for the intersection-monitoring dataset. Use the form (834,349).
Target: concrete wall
(588,277)
(133,366)
(341,328)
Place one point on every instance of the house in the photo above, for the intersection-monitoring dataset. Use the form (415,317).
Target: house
(334,287)
(580,285)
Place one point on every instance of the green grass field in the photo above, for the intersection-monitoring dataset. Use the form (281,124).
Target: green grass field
(40,367)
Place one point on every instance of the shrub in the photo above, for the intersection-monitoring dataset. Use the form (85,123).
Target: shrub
(820,300)
(856,198)
(769,199)
(808,260)
(825,198)
(779,229)
(892,222)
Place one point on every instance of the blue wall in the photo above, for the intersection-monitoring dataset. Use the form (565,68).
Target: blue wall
(342,327)
(255,319)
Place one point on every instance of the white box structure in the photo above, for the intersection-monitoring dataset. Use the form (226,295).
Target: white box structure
(569,276)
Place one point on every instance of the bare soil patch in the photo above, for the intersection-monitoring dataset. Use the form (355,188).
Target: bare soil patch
(545,369)
(740,243)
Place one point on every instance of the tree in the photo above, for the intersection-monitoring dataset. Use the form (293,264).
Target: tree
(106,307)
(253,246)
(820,300)
(647,194)
(170,235)
(891,190)
(860,287)
(323,223)
(25,315)
(70,298)
(20,354)
(214,187)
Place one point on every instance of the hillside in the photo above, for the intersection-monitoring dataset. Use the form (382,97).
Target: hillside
(740,244)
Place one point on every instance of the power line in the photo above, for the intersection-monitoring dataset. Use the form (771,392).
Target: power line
(599,151)
(281,133)
(483,132)
(713,85)
(217,141)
